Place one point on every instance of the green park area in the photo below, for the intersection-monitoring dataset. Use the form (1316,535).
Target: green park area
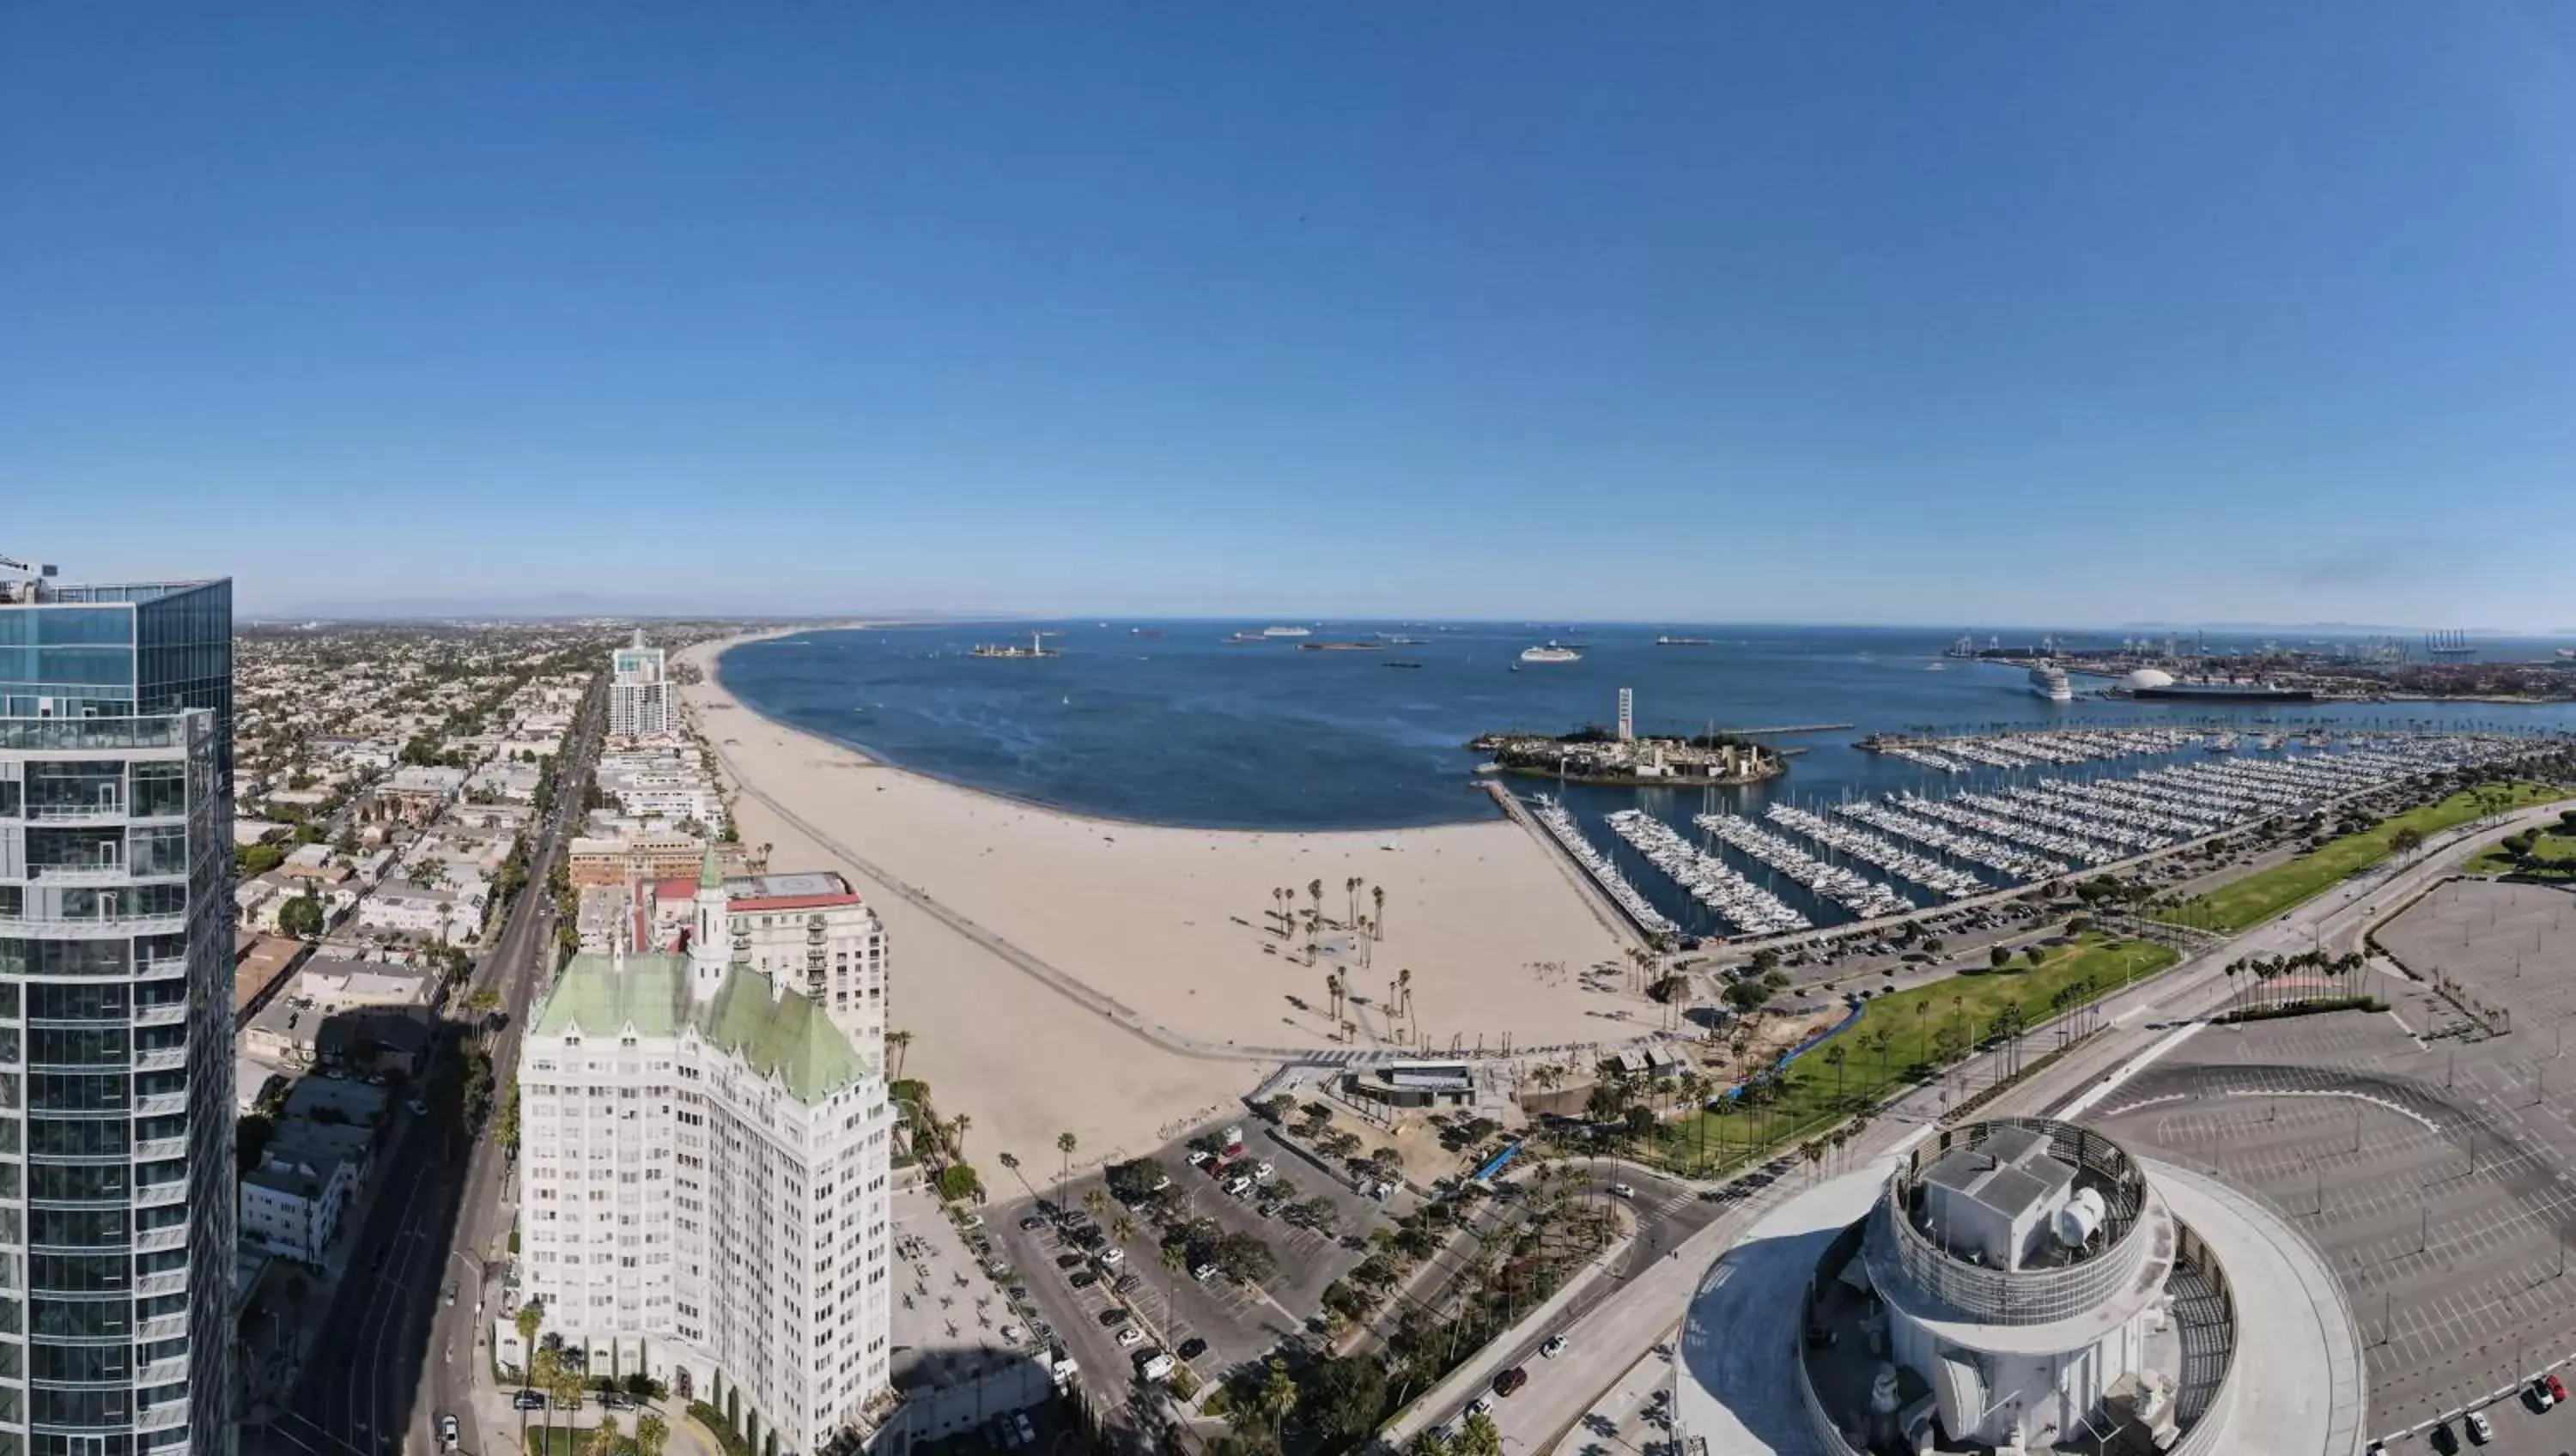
(2544,853)
(2266,893)
(1906,1036)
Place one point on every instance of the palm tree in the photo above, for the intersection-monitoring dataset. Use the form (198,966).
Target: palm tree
(1122,1228)
(901,1041)
(545,1367)
(603,1437)
(530,1318)
(1878,1042)
(1064,1144)
(1315,888)
(1277,1396)
(1834,1056)
(1478,1436)
(652,1435)
(957,1135)
(1333,989)
(1404,989)
(1175,1259)
(1095,1199)
(1351,900)
(1922,1022)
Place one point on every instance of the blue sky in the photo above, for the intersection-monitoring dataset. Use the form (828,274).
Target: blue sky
(1909,313)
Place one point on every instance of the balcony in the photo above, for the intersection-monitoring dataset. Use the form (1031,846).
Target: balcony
(172,1013)
(155,970)
(160,1240)
(154,1148)
(160,1104)
(76,813)
(160,1195)
(174,1281)
(95,927)
(161,1418)
(167,1327)
(162,1372)
(77,874)
(161,1059)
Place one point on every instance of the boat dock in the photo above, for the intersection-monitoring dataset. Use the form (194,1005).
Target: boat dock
(1792,728)
(1611,898)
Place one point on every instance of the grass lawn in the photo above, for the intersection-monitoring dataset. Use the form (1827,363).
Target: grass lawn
(2266,893)
(1813,1097)
(2553,856)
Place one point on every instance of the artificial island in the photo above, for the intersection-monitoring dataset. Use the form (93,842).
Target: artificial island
(1593,754)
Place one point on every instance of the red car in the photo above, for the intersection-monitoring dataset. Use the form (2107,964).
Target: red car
(2557,1389)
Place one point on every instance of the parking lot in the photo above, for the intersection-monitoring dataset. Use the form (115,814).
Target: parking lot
(1231,1322)
(2430,1161)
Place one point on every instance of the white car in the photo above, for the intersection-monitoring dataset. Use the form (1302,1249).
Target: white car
(2480,1430)
(1163,1182)
(447,1437)
(1130,1335)
(1203,1273)
(1197,1158)
(1623,1190)
(1238,1186)
(1554,1347)
(1261,1169)
(1112,1257)
(1478,1406)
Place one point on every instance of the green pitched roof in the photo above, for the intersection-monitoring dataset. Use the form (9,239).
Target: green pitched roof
(785,1035)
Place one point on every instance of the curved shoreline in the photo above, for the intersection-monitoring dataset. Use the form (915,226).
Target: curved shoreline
(1472,795)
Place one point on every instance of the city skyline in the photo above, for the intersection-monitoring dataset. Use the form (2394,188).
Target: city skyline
(1932,318)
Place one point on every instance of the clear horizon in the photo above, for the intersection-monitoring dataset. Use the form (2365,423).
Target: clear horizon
(2254,313)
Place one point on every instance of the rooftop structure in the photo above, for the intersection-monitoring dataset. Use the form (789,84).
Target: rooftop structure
(2021,1285)
(639,691)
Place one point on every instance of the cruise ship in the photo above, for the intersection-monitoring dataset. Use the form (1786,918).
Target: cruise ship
(1550,653)
(1287,632)
(1682,642)
(2049,681)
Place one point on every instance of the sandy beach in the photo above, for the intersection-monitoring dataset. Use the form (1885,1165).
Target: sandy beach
(1113,979)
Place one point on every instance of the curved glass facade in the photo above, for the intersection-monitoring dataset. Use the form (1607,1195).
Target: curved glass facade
(116,1187)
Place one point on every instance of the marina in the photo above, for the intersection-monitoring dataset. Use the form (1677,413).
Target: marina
(1568,835)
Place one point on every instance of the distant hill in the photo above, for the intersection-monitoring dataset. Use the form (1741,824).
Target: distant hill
(556,606)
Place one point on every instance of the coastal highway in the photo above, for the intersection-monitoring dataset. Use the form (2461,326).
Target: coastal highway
(2143,1024)
(391,1355)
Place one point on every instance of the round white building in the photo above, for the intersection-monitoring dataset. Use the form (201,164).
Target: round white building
(2019,1285)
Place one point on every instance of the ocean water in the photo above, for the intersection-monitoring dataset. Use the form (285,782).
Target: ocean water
(1186,728)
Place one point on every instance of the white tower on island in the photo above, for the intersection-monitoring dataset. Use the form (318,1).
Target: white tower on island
(1627,715)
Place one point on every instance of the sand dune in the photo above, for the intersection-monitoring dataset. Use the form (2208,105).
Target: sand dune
(1112,979)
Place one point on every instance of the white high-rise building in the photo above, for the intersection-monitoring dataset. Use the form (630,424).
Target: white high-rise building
(639,691)
(704,1156)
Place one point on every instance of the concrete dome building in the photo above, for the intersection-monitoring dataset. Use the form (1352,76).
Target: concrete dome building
(2148,677)
(2022,1285)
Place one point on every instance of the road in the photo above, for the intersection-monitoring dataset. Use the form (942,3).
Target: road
(392,1355)
(1627,1324)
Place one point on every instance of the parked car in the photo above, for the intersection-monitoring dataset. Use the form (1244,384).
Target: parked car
(528,1400)
(1028,1433)
(1238,1186)
(1199,1157)
(2480,1430)
(1112,1257)
(1130,1335)
(1193,1347)
(2556,1388)
(1203,1273)
(1114,1316)
(1083,1279)
(447,1437)
(1262,1169)
(1127,1283)
(1032,1222)
(1510,1380)
(1068,1261)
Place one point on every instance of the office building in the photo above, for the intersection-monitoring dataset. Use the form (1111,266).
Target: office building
(704,1155)
(116,1062)
(639,691)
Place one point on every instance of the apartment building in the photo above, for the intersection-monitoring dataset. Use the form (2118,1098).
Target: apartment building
(705,1157)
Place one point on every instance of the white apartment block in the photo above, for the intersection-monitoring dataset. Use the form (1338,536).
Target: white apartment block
(704,1153)
(639,692)
(809,926)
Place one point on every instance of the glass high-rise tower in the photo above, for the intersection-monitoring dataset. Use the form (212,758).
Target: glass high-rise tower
(116,1113)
